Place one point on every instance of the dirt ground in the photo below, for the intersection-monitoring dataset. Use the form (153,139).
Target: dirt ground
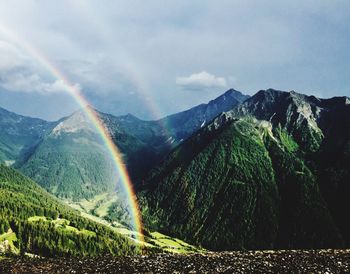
(282,261)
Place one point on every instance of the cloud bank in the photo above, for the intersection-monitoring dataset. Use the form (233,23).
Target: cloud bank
(123,52)
(20,74)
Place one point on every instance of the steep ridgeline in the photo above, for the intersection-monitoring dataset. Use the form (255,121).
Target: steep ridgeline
(152,140)
(297,113)
(142,143)
(71,161)
(19,135)
(257,177)
(184,124)
(33,221)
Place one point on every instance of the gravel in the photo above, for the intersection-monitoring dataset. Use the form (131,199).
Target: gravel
(269,261)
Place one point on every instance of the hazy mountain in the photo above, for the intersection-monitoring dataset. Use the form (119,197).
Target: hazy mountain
(182,125)
(152,140)
(259,176)
(71,161)
(68,158)
(32,221)
(19,134)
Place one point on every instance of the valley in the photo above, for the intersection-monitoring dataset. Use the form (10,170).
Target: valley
(174,137)
(96,209)
(238,173)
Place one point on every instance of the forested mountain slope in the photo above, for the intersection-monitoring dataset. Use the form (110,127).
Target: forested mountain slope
(33,221)
(71,161)
(253,178)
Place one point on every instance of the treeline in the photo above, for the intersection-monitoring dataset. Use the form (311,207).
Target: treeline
(21,198)
(45,238)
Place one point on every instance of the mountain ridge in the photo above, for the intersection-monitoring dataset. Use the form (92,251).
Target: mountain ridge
(275,127)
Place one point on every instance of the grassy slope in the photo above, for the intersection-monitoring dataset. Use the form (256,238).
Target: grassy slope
(97,208)
(37,220)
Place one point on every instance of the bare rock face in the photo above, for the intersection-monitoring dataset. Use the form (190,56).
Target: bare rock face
(76,122)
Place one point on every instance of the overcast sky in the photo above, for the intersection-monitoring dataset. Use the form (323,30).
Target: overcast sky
(152,58)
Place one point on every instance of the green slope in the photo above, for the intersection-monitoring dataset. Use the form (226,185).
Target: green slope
(239,184)
(71,161)
(44,226)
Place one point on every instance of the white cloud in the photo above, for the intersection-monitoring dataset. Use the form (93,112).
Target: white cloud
(18,73)
(201,80)
(20,81)
(10,57)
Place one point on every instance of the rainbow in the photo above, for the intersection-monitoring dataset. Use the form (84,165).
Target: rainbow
(114,152)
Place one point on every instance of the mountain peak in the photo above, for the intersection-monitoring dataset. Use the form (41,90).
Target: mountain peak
(232,91)
(239,96)
(77,121)
(269,93)
(129,117)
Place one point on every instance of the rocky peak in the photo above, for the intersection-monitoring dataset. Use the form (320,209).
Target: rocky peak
(78,121)
(235,94)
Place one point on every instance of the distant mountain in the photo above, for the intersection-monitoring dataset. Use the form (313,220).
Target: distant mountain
(71,161)
(34,222)
(184,124)
(152,140)
(259,176)
(142,143)
(68,158)
(19,134)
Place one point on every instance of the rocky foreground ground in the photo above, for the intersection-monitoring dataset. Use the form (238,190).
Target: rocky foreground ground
(290,261)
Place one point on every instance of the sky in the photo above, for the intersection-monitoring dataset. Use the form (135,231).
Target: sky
(153,58)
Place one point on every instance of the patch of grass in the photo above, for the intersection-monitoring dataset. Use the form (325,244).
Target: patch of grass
(90,204)
(88,232)
(286,140)
(102,209)
(97,205)
(172,245)
(11,237)
(37,218)
(71,228)
(63,224)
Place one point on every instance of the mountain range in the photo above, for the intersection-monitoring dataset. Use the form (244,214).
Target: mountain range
(240,172)
(68,159)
